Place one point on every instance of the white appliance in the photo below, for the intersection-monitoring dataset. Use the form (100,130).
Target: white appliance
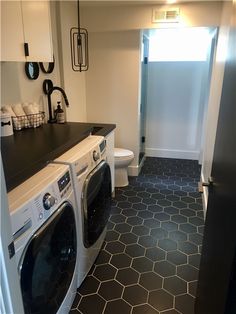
(91,178)
(44,224)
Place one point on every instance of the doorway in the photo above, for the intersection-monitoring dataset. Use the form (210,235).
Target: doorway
(175,81)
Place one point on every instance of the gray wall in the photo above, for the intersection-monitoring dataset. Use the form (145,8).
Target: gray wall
(175,106)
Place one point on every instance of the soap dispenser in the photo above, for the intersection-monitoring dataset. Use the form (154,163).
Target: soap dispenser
(59,114)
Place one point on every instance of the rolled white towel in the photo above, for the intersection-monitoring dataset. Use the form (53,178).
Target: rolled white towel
(17,108)
(36,110)
(8,109)
(16,122)
(32,111)
(28,110)
(19,112)
(36,107)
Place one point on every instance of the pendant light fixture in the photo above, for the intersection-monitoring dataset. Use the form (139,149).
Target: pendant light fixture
(79,46)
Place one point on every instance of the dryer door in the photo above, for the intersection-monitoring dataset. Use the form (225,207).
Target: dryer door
(48,263)
(96,202)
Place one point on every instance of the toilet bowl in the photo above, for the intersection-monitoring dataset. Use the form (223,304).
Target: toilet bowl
(123,157)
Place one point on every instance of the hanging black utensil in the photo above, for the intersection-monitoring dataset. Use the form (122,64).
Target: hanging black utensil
(79,47)
(47,68)
(47,85)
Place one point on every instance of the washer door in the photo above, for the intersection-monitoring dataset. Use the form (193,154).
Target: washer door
(48,263)
(96,202)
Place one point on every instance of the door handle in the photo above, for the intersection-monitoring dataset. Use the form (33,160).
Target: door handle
(208,184)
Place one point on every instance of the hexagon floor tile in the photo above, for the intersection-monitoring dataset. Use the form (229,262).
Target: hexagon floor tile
(150,259)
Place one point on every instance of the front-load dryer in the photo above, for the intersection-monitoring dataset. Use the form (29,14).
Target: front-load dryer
(91,178)
(44,225)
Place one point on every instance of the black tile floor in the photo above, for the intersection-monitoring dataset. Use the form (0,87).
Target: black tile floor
(150,259)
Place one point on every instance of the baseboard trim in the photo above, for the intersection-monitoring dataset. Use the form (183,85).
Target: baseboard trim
(172,153)
(133,171)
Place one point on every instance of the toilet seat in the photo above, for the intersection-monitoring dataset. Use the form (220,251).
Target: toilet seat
(121,153)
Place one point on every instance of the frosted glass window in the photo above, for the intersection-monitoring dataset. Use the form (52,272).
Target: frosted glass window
(179,45)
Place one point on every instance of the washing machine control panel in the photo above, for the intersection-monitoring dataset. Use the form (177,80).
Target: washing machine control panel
(96,155)
(35,200)
(52,195)
(48,201)
(64,181)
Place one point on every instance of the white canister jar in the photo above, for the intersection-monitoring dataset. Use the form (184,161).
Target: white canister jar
(6,124)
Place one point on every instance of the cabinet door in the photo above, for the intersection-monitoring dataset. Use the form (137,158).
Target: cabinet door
(12,36)
(37,30)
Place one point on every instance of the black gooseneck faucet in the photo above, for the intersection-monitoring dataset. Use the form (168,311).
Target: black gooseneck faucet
(51,119)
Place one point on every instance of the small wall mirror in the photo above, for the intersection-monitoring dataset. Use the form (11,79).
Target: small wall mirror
(47,67)
(32,70)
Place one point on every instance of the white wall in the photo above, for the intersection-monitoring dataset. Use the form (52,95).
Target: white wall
(112,84)
(215,97)
(206,87)
(112,90)
(122,15)
(72,82)
(174,109)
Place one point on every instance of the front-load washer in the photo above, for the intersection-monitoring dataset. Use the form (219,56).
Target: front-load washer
(91,178)
(44,224)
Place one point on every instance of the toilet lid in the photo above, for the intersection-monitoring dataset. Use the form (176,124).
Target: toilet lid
(123,153)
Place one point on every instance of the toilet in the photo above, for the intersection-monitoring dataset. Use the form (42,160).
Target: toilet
(123,157)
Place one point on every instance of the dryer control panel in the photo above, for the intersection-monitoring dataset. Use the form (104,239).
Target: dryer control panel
(102,146)
(85,155)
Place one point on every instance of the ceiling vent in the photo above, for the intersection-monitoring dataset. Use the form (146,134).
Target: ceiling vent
(165,16)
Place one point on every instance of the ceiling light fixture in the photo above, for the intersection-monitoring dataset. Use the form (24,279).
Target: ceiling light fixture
(79,47)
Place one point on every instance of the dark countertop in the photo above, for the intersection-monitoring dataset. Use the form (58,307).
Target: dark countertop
(28,151)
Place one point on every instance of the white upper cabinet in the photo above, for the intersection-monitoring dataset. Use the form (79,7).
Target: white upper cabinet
(37,30)
(12,36)
(26,31)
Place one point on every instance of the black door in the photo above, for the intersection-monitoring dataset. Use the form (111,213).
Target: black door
(48,263)
(216,293)
(96,202)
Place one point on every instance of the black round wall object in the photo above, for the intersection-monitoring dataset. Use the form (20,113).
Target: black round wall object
(32,70)
(47,85)
(47,67)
